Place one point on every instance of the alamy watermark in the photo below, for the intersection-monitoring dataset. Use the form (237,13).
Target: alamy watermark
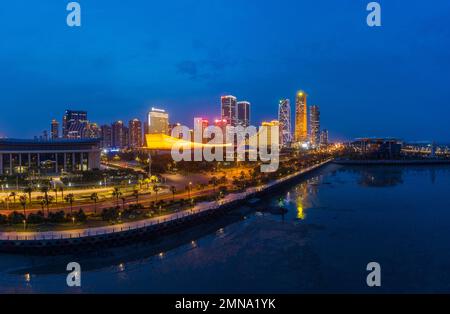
(232,143)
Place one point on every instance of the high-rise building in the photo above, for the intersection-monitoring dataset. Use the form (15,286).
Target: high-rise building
(301,119)
(54,129)
(119,135)
(268,131)
(92,131)
(284,117)
(314,120)
(229,110)
(324,137)
(158,122)
(106,136)
(135,129)
(74,123)
(243,113)
(201,124)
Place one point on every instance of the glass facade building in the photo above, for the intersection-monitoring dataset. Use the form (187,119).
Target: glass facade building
(48,157)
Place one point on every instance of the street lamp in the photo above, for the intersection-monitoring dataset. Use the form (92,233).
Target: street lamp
(73,220)
(24,224)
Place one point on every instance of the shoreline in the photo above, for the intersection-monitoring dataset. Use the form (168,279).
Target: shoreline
(116,235)
(392,162)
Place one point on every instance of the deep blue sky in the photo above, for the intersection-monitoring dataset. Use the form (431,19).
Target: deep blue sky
(184,54)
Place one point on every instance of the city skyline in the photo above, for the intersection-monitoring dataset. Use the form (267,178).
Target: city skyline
(366,80)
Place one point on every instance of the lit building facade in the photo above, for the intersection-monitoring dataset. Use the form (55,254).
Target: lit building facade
(284,118)
(74,124)
(106,136)
(301,118)
(314,120)
(54,129)
(243,113)
(324,137)
(269,126)
(135,129)
(119,135)
(229,109)
(158,122)
(48,157)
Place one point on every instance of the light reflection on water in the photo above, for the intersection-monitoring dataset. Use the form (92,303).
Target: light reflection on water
(338,220)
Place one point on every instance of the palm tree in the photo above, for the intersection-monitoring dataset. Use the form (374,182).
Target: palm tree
(13,195)
(61,189)
(28,190)
(45,190)
(117,194)
(23,202)
(156,190)
(173,189)
(69,199)
(136,195)
(94,198)
(123,203)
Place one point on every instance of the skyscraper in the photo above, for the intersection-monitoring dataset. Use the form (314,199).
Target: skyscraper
(135,129)
(284,117)
(92,131)
(243,113)
(301,119)
(314,120)
(324,138)
(158,122)
(229,110)
(54,129)
(119,135)
(74,123)
(106,136)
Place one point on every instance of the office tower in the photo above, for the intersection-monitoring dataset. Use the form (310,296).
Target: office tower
(301,120)
(106,136)
(268,131)
(324,138)
(229,110)
(119,135)
(44,135)
(74,123)
(92,131)
(314,120)
(158,122)
(135,129)
(284,117)
(54,129)
(243,113)
(200,124)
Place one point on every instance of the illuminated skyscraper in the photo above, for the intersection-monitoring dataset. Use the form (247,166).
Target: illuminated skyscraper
(284,118)
(119,135)
(314,120)
(74,123)
(324,138)
(243,113)
(229,109)
(301,119)
(158,122)
(106,136)
(135,129)
(54,130)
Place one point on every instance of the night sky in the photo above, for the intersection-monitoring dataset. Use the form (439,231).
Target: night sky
(182,55)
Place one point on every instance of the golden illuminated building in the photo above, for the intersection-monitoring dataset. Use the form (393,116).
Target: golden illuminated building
(301,119)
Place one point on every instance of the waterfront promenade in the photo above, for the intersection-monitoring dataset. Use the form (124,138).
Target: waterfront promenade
(142,224)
